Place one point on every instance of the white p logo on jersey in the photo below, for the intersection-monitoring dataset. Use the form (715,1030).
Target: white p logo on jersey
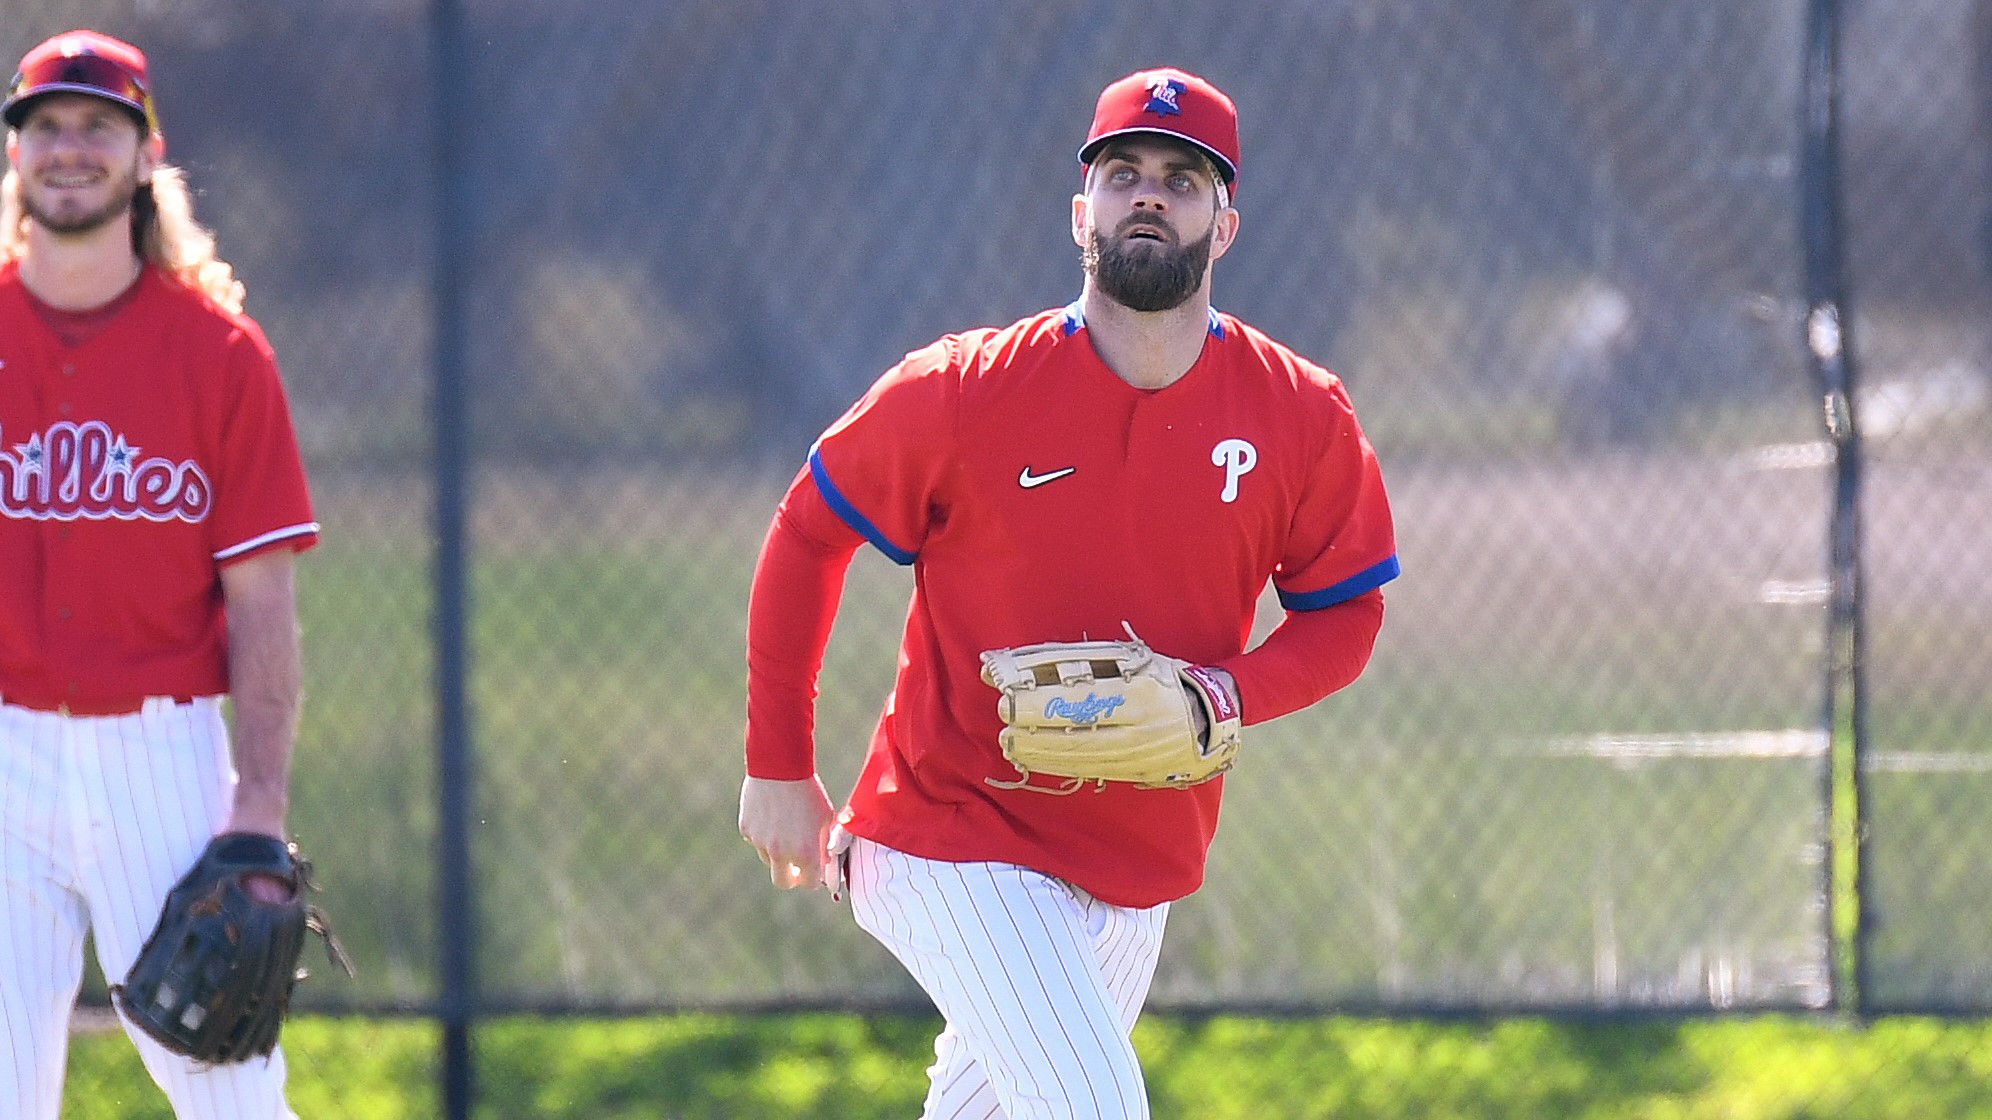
(1237,457)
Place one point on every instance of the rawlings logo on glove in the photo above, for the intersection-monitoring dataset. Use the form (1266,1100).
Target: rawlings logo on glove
(1084,712)
(1099,712)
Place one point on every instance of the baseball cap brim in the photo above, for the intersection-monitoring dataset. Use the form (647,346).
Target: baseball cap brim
(1224,166)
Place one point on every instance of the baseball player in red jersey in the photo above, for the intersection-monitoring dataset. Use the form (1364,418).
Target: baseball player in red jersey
(1136,458)
(151,501)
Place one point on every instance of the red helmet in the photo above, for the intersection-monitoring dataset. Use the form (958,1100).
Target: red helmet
(1173,103)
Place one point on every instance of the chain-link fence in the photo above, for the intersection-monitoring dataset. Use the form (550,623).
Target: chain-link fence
(1553,246)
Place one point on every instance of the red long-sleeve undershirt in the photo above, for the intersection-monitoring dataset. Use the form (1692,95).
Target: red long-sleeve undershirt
(799,581)
(797,585)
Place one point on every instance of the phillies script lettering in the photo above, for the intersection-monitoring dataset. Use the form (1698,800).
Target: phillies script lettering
(88,471)
(1082,712)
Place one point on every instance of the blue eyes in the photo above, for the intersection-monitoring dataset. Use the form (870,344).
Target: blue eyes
(1176,182)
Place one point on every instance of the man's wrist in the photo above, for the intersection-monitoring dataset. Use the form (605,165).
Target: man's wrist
(259,810)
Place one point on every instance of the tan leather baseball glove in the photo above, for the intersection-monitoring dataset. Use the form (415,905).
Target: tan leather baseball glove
(1099,712)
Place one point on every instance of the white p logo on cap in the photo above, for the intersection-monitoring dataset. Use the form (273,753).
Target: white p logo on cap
(1237,457)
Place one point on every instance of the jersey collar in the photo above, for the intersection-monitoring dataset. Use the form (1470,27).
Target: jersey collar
(1072,318)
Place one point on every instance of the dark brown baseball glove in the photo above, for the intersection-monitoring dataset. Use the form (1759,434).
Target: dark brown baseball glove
(214,980)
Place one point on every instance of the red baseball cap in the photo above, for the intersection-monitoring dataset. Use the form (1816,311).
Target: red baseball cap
(85,62)
(1168,102)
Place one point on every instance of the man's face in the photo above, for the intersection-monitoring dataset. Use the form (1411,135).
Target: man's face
(80,160)
(1151,220)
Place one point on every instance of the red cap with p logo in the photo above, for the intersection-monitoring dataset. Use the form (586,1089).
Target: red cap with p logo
(1173,103)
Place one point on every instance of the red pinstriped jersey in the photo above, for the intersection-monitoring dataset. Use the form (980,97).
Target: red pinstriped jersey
(134,465)
(1041,498)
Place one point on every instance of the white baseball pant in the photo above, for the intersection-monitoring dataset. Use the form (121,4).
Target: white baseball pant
(99,817)
(1040,984)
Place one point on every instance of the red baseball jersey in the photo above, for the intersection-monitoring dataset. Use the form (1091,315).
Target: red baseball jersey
(134,465)
(1041,498)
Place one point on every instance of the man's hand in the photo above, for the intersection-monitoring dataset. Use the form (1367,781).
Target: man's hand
(789,824)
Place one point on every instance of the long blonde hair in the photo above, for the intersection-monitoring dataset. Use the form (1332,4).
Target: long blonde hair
(163,233)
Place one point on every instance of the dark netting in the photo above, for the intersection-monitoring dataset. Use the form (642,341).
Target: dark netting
(1553,263)
(1551,245)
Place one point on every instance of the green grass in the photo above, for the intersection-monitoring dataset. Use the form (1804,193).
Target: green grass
(842,1067)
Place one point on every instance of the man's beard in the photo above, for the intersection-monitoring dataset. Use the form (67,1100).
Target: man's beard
(1158,277)
(77,223)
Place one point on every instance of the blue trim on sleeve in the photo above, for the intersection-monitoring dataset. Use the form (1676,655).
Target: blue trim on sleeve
(1371,578)
(848,513)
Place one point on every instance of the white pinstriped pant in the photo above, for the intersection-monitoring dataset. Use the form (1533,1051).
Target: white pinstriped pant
(99,817)
(1040,984)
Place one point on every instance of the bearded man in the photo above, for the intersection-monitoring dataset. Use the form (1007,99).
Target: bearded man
(1134,460)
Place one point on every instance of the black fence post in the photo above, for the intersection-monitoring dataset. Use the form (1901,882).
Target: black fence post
(456,948)
(1829,349)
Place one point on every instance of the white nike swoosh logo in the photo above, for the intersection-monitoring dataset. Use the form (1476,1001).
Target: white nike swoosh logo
(1027,480)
